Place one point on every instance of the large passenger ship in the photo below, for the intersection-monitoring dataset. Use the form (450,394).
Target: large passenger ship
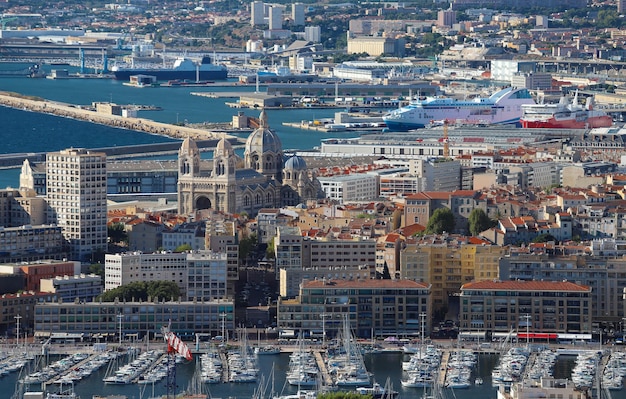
(502,107)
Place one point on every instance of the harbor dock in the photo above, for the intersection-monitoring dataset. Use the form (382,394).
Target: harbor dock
(41,105)
(321,365)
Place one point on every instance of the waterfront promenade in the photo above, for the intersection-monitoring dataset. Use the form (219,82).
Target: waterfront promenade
(36,104)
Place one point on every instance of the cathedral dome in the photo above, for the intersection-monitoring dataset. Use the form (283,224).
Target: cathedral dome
(188,147)
(263,140)
(223,148)
(295,163)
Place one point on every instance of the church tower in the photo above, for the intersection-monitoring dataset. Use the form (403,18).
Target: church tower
(223,177)
(264,151)
(188,168)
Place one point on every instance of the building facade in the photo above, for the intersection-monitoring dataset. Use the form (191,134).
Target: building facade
(350,188)
(264,182)
(533,306)
(207,276)
(69,288)
(374,308)
(76,185)
(136,319)
(131,267)
(19,308)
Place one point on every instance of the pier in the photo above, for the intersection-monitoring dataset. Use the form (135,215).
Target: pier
(36,104)
(321,365)
(78,365)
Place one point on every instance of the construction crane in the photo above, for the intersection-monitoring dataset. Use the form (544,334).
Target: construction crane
(446,144)
(174,346)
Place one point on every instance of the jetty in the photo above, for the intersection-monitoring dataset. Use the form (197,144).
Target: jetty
(321,365)
(37,104)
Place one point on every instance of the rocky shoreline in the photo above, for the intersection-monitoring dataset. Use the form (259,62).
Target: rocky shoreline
(36,104)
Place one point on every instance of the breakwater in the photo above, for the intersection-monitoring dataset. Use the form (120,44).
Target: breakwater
(37,104)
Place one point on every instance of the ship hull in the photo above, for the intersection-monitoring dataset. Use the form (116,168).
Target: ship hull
(552,123)
(125,74)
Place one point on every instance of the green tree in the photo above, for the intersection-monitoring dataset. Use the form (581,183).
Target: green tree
(183,248)
(544,238)
(140,290)
(117,233)
(246,245)
(441,220)
(97,269)
(343,395)
(478,221)
(269,252)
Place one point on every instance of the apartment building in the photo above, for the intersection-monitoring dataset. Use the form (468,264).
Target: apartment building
(447,262)
(420,207)
(135,319)
(19,308)
(76,187)
(534,306)
(130,267)
(82,287)
(374,308)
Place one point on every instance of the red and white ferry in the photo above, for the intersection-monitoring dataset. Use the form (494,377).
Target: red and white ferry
(564,115)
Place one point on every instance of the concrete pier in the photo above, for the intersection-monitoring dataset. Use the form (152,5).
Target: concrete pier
(321,364)
(36,104)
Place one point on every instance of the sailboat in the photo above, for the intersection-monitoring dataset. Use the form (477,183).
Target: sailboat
(303,370)
(347,364)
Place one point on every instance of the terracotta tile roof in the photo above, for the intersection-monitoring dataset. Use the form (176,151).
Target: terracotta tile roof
(519,285)
(364,284)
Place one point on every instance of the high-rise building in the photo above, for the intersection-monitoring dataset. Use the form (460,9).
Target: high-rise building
(276,17)
(256,13)
(446,18)
(297,14)
(77,199)
(313,34)
(621,6)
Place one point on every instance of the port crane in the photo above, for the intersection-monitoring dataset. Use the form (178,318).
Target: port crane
(174,346)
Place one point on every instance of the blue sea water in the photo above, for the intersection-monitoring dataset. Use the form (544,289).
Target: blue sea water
(24,131)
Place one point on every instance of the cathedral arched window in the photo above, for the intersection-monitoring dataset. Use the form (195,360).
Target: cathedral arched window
(246,201)
(269,198)
(258,199)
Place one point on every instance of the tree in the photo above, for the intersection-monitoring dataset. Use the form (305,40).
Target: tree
(269,252)
(441,220)
(246,245)
(183,248)
(97,269)
(544,238)
(479,221)
(141,290)
(117,233)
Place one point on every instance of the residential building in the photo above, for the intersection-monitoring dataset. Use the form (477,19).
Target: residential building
(297,14)
(136,319)
(84,288)
(144,235)
(276,17)
(33,272)
(534,306)
(288,249)
(505,70)
(207,276)
(446,18)
(20,308)
(268,222)
(350,188)
(77,199)
(374,308)
(130,267)
(221,237)
(291,279)
(421,206)
(192,234)
(447,262)
(257,13)
(32,243)
(604,275)
(313,34)
(375,46)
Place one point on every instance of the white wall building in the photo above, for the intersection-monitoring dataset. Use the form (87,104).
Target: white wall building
(207,275)
(276,17)
(257,13)
(350,188)
(297,14)
(76,187)
(313,34)
(84,287)
(130,267)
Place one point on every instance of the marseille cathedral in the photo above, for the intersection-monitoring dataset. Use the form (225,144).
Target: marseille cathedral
(263,180)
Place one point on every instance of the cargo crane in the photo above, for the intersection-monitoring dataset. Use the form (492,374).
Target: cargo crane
(174,346)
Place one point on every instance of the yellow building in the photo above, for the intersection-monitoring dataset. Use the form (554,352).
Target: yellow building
(373,46)
(447,262)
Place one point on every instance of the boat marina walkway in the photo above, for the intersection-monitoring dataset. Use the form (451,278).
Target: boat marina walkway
(321,364)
